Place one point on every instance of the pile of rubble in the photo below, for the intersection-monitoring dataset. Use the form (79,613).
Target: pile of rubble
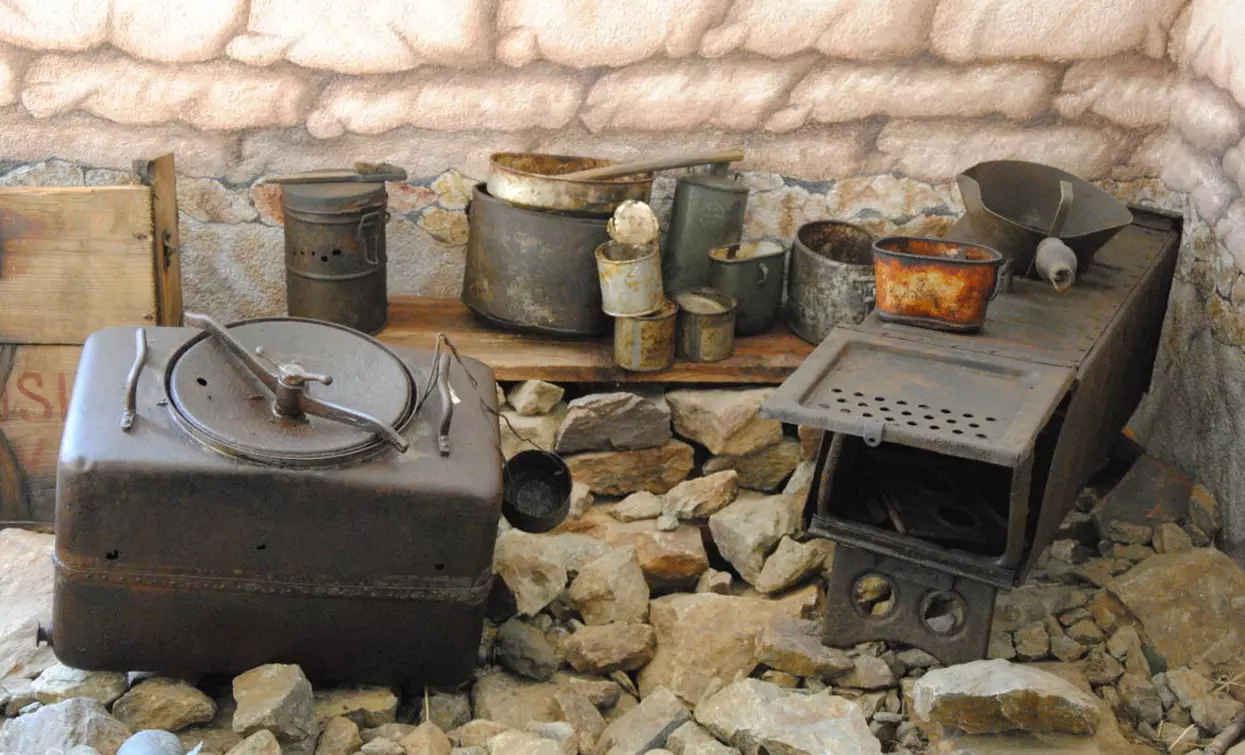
(679,614)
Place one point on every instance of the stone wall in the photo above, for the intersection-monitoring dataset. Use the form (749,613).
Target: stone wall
(847,109)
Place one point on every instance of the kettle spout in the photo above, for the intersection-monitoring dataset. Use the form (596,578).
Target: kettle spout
(1056,262)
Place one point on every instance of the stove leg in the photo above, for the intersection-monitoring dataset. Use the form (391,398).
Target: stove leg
(946,616)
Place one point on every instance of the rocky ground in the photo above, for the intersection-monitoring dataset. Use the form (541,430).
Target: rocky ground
(679,614)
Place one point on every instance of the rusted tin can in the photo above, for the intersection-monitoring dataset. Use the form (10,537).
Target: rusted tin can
(532,270)
(646,343)
(706,324)
(630,277)
(934,283)
(752,274)
(708,212)
(335,258)
(830,279)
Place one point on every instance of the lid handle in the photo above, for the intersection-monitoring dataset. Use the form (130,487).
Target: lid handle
(288,383)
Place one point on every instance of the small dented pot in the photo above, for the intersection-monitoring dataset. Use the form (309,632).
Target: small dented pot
(934,283)
(706,324)
(646,343)
(830,280)
(630,276)
(752,274)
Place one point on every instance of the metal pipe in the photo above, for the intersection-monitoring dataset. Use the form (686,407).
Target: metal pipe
(131,382)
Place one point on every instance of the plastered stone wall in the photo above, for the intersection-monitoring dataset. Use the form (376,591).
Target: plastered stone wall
(860,110)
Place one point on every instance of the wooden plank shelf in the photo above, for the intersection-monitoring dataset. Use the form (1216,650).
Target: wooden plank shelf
(415,321)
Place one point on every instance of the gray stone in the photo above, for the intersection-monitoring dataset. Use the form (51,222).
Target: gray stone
(537,433)
(26,577)
(610,647)
(532,397)
(1150,493)
(917,658)
(701,497)
(1086,632)
(1122,641)
(1204,511)
(801,478)
(447,710)
(868,672)
(1214,713)
(789,565)
(645,727)
(1133,554)
(511,701)
(215,740)
(612,589)
(637,507)
(1065,648)
(381,746)
(759,718)
(794,646)
(1001,646)
(762,470)
(581,499)
(148,742)
(60,726)
(1100,668)
(988,697)
(475,733)
(277,698)
(714,581)
(1127,533)
(1140,699)
(522,743)
(1188,685)
(747,531)
(339,737)
(1191,605)
(60,682)
(693,739)
(1032,642)
(558,732)
(667,522)
(1069,551)
(1016,608)
(621,421)
(621,472)
(603,693)
(523,649)
(368,707)
(1170,538)
(530,566)
(582,715)
(168,704)
(726,421)
(1075,615)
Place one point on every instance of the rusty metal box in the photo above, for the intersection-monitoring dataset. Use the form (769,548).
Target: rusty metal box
(176,557)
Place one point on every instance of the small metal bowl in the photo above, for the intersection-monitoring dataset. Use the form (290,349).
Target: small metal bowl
(536,495)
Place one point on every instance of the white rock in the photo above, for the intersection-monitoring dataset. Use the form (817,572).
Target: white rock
(749,529)
(725,421)
(277,698)
(598,32)
(179,31)
(637,507)
(522,743)
(540,97)
(964,30)
(790,563)
(939,150)
(761,470)
(530,568)
(211,96)
(60,682)
(843,92)
(702,496)
(581,499)
(622,420)
(693,739)
(715,581)
(26,592)
(80,721)
(759,717)
(535,397)
(645,727)
(684,95)
(1134,92)
(535,433)
(368,707)
(612,589)
(168,704)
(801,478)
(377,38)
(835,28)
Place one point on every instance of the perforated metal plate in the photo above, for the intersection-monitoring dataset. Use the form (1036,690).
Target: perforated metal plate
(975,406)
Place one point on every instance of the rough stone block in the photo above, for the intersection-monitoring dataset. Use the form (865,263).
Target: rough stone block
(836,28)
(1206,41)
(175,31)
(1207,116)
(1133,91)
(621,472)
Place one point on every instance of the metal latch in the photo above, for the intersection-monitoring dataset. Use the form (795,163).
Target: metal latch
(872,432)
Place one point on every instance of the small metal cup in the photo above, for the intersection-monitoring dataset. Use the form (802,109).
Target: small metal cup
(646,343)
(536,494)
(706,324)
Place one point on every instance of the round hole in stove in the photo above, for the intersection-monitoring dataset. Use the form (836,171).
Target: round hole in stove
(866,414)
(934,427)
(874,596)
(943,613)
(858,394)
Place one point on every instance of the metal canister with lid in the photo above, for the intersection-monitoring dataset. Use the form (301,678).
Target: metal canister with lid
(708,212)
(335,260)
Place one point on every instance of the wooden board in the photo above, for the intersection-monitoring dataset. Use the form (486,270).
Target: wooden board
(415,321)
(37,382)
(160,175)
(73,261)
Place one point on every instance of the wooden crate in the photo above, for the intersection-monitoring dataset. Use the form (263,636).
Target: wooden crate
(72,261)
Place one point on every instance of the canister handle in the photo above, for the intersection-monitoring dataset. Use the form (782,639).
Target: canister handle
(762,273)
(371,249)
(1000,279)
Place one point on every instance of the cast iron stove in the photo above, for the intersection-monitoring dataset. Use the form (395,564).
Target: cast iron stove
(948,461)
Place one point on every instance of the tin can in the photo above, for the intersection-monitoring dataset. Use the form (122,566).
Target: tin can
(830,279)
(752,273)
(706,324)
(630,277)
(335,258)
(646,343)
(708,212)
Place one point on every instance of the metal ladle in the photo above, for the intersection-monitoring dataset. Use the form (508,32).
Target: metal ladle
(1055,261)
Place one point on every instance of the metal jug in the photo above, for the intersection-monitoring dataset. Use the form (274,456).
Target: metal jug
(708,212)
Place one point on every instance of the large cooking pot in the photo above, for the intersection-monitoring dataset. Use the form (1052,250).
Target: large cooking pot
(831,278)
